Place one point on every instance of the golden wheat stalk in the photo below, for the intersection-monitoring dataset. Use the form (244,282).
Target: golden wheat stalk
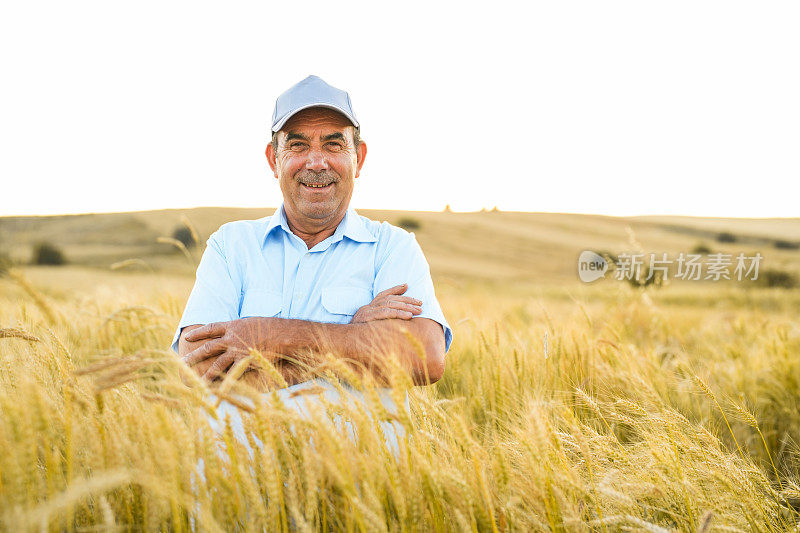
(702,384)
(750,418)
(119,365)
(18,333)
(166,400)
(37,297)
(179,245)
(266,366)
(233,374)
(131,262)
(78,490)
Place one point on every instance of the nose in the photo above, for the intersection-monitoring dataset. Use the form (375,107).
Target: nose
(316,160)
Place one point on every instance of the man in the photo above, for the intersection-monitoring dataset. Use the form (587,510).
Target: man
(314,277)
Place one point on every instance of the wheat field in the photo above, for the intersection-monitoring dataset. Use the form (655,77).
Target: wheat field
(564,406)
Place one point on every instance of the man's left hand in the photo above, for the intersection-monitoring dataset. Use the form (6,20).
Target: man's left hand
(228,342)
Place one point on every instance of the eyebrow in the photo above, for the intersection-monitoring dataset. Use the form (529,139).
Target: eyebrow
(293,136)
(333,136)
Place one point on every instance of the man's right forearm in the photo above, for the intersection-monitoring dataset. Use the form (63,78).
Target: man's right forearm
(254,377)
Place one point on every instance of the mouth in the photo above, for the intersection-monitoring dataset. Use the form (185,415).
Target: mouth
(317,187)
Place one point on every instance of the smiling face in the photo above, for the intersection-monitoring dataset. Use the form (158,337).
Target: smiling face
(316,163)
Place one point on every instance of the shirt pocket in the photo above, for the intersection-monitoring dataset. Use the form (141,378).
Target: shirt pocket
(260,303)
(345,301)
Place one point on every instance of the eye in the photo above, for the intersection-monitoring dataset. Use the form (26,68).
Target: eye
(296,146)
(335,147)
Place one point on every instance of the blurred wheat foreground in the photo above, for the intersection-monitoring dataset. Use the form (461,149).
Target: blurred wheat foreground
(564,406)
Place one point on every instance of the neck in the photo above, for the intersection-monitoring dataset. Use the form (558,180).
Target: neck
(313,234)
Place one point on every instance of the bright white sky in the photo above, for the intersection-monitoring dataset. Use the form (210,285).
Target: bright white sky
(622,108)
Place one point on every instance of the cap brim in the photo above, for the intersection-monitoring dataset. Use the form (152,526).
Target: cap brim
(279,124)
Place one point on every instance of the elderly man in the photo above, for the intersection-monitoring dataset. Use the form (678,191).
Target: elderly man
(314,277)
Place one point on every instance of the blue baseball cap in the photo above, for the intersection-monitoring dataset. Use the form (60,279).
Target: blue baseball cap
(311,92)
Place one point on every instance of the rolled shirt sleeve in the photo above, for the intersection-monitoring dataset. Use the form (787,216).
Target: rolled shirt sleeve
(403,262)
(215,296)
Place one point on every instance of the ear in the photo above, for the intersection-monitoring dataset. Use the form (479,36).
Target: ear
(270,153)
(361,155)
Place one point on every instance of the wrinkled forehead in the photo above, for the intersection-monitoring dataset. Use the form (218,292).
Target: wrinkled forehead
(320,120)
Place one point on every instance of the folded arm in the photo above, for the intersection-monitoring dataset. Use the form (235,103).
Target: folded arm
(366,344)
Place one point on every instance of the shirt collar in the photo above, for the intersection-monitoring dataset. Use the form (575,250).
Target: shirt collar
(278,219)
(352,226)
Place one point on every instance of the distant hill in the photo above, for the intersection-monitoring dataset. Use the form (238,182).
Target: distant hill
(487,245)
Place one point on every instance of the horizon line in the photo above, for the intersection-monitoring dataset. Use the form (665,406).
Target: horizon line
(443,211)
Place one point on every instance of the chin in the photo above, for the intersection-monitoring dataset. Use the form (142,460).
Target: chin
(318,212)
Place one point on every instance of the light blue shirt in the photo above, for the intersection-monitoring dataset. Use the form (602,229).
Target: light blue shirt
(260,268)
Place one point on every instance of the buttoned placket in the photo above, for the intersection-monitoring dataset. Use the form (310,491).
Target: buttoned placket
(294,260)
(302,276)
(301,266)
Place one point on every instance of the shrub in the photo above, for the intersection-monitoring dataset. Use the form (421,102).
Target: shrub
(46,253)
(726,237)
(777,278)
(786,245)
(608,256)
(185,235)
(5,264)
(409,223)
(657,280)
(701,248)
